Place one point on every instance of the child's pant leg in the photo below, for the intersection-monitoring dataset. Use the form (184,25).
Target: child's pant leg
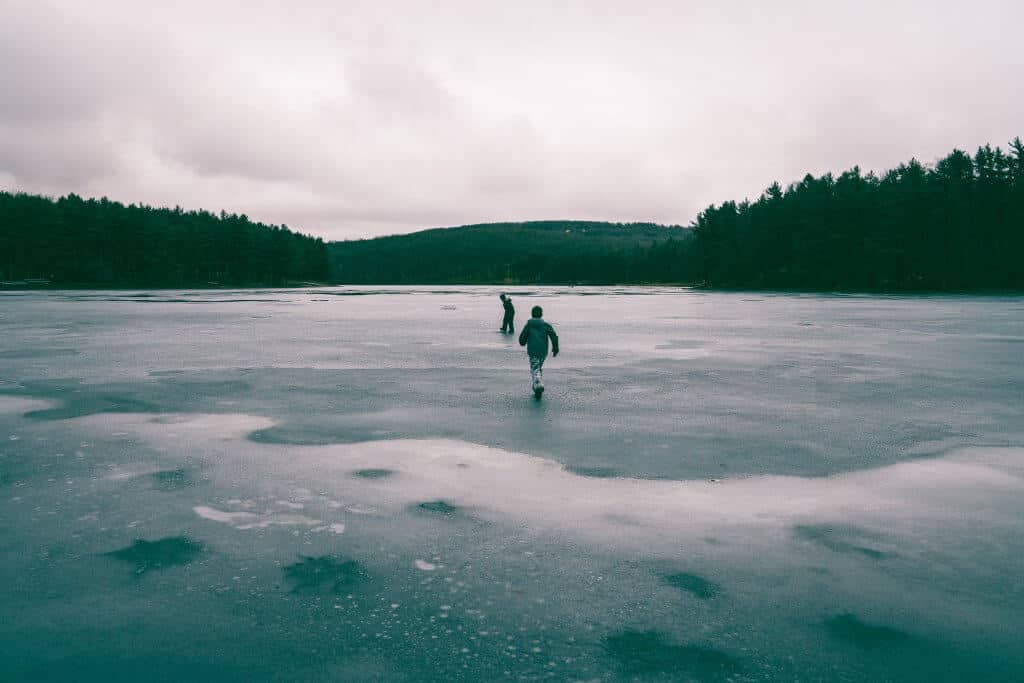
(537,371)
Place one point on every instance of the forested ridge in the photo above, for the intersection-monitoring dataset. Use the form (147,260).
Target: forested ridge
(97,242)
(955,225)
(535,252)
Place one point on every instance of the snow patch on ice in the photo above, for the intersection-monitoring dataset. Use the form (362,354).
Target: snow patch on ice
(122,474)
(252,520)
(13,405)
(215,515)
(959,489)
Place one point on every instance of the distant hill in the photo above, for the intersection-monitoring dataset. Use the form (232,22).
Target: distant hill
(535,252)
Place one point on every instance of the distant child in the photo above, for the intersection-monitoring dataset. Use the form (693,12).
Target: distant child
(534,337)
(510,314)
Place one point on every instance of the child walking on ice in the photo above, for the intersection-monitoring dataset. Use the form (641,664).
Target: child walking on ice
(534,337)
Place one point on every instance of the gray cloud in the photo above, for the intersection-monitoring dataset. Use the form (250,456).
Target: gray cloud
(358,118)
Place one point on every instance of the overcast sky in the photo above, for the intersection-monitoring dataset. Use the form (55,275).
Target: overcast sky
(352,119)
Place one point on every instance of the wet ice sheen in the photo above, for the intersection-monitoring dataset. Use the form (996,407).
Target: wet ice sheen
(319,485)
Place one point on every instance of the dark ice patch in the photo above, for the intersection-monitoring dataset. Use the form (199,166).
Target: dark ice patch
(842,539)
(692,583)
(598,472)
(437,507)
(160,394)
(80,406)
(324,574)
(595,472)
(172,480)
(849,628)
(160,554)
(374,473)
(644,653)
(294,434)
(191,388)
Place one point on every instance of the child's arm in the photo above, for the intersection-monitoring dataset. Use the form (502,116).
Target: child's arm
(554,340)
(524,334)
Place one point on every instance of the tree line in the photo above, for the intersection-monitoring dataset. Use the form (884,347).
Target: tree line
(72,241)
(957,225)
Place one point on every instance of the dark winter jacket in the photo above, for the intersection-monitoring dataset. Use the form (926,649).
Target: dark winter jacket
(509,310)
(535,336)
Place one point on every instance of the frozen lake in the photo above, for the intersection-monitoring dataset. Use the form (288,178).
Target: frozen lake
(356,484)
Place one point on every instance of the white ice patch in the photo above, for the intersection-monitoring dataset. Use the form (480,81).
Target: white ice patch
(425,566)
(252,520)
(14,405)
(123,474)
(188,427)
(970,488)
(280,520)
(232,518)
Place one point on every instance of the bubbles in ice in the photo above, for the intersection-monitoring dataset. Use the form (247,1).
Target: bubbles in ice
(324,574)
(646,653)
(172,480)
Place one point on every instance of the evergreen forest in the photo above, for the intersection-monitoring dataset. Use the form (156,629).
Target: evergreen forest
(77,242)
(957,225)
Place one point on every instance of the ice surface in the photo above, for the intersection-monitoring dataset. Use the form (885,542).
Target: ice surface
(12,405)
(355,484)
